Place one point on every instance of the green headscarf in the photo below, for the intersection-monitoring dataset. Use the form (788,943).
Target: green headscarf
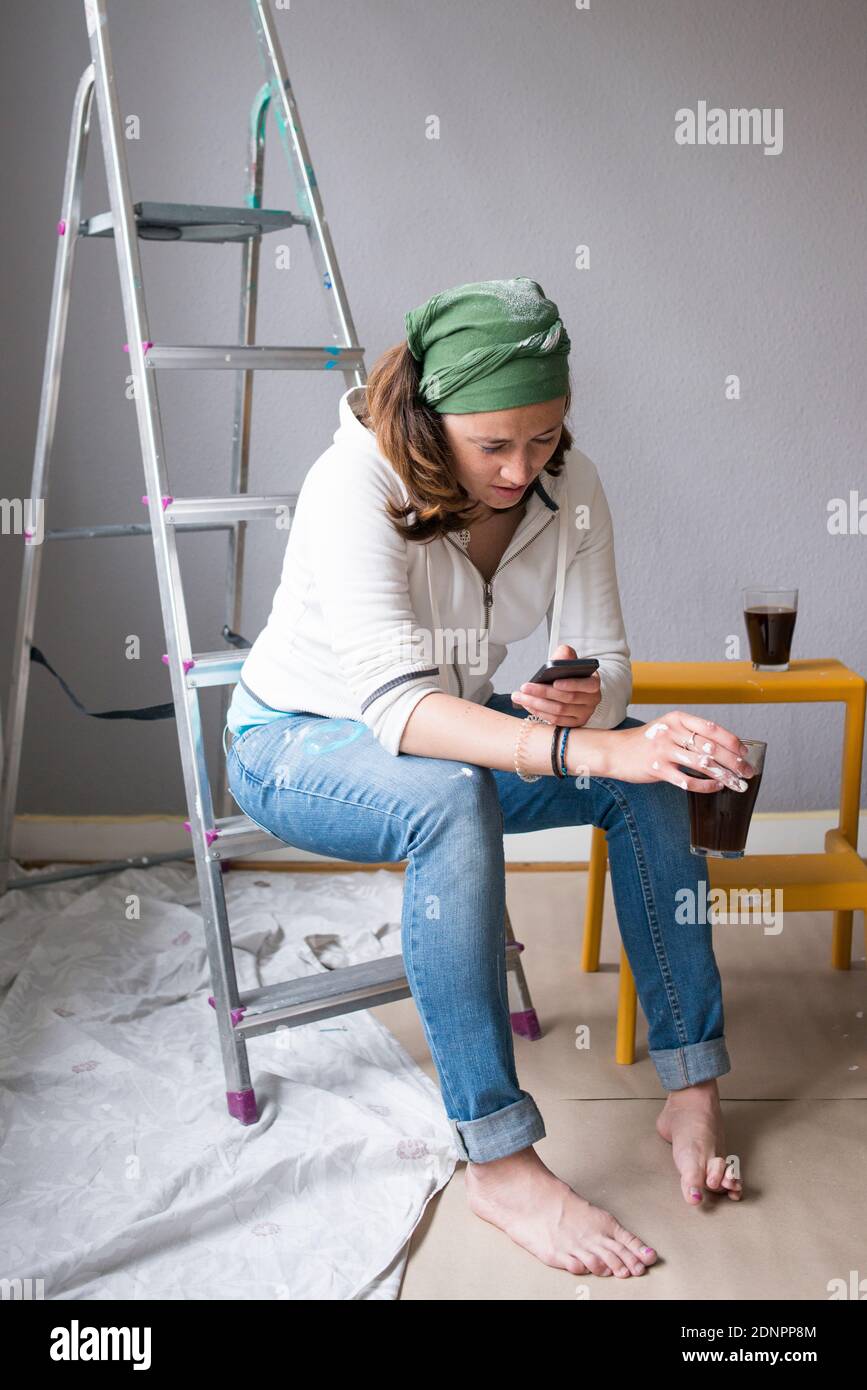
(490,345)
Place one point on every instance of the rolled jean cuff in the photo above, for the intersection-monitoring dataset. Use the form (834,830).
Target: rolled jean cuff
(678,1067)
(502,1133)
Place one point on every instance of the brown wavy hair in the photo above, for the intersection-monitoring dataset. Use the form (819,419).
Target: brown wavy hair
(412,437)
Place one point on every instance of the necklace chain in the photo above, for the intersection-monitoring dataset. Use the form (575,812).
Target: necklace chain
(463,536)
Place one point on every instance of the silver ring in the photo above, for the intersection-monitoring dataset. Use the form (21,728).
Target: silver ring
(690,743)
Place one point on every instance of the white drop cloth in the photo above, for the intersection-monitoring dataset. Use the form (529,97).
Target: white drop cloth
(122,1174)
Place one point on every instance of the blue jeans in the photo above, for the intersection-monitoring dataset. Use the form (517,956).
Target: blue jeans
(328,786)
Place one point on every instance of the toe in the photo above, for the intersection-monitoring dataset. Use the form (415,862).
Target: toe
(636,1254)
(622,1260)
(594,1262)
(716,1171)
(612,1253)
(692,1178)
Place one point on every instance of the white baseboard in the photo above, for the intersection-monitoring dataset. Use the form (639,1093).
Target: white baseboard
(49,839)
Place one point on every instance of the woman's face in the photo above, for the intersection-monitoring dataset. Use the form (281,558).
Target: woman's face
(499,453)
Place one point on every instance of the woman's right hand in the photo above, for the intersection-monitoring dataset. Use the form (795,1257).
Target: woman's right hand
(656,752)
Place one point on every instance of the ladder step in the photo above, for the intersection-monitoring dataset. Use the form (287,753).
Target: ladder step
(326,995)
(240,357)
(239,506)
(215,668)
(133,528)
(239,835)
(195,222)
(312,997)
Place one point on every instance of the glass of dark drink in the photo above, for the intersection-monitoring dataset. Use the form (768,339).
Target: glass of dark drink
(770,618)
(719,821)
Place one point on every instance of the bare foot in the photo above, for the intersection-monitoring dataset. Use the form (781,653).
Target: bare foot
(545,1216)
(691,1121)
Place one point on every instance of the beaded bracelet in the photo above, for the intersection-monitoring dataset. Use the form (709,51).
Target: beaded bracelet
(530,719)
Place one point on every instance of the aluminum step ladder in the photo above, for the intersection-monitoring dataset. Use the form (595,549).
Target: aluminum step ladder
(215,840)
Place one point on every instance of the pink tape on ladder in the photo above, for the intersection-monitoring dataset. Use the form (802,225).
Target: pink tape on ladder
(147,345)
(188,664)
(237,1014)
(210,835)
(165,500)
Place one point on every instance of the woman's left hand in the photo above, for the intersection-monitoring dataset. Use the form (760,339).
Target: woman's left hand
(569,702)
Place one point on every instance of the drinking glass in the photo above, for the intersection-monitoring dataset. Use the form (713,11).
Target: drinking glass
(770,618)
(719,821)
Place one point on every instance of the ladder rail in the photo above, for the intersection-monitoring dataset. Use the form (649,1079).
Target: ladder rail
(306,186)
(187,712)
(67,228)
(243,416)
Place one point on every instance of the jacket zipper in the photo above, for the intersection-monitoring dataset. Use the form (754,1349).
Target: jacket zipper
(488,584)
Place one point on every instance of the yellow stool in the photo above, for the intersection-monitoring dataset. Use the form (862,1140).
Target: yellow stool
(835,880)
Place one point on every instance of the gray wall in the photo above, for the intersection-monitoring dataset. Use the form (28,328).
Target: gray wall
(557,129)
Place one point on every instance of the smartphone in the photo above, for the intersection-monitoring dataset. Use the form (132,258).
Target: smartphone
(570,668)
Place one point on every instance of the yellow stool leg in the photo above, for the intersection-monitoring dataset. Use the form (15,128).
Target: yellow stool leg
(850,789)
(595,900)
(627,1007)
(841,941)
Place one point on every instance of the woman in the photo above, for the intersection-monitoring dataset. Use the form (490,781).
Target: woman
(453,504)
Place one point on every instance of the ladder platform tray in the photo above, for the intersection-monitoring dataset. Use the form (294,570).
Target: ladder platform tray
(195,222)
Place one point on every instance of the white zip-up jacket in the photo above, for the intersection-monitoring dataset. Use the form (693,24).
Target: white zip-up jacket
(364,623)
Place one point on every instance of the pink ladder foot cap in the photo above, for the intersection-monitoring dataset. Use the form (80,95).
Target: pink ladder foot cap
(526,1024)
(242,1106)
